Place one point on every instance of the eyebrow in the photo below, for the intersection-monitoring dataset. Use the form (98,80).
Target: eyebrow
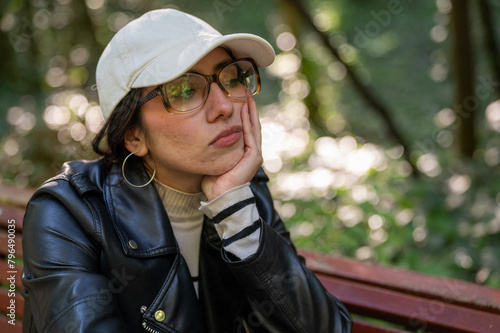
(216,67)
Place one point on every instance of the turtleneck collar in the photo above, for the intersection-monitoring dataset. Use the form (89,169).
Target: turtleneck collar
(179,205)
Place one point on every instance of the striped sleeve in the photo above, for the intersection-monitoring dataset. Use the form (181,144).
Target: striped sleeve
(236,220)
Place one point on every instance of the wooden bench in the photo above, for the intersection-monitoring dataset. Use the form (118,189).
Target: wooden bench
(413,301)
(12,206)
(381,299)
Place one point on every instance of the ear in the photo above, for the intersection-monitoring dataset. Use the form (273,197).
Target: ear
(135,141)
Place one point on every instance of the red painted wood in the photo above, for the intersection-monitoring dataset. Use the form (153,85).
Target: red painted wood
(4,243)
(8,328)
(411,311)
(365,327)
(445,289)
(8,213)
(12,203)
(5,300)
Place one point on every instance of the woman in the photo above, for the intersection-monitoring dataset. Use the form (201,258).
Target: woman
(122,244)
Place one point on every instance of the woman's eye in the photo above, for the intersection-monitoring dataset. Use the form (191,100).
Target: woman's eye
(233,82)
(230,79)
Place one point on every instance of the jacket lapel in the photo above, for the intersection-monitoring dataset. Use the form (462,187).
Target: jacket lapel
(138,215)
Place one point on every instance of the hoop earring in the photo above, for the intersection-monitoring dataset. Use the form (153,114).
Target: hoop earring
(123,170)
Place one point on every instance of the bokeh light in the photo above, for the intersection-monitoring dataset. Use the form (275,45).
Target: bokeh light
(493,115)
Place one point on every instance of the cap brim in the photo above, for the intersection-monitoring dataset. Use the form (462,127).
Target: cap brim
(176,61)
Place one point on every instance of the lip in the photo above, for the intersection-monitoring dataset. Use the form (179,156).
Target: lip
(227,137)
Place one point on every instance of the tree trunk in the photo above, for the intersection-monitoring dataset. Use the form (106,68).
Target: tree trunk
(466,103)
(492,51)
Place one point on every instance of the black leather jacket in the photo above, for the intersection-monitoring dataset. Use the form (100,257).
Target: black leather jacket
(100,256)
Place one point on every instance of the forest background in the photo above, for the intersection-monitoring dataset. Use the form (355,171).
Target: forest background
(380,118)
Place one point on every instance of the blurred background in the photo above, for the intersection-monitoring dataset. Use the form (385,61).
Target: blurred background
(381,118)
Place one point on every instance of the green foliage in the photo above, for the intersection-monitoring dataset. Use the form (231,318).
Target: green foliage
(421,226)
(447,221)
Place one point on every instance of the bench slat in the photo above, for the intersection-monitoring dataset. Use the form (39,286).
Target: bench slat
(411,311)
(361,326)
(9,212)
(6,327)
(446,289)
(4,242)
(5,301)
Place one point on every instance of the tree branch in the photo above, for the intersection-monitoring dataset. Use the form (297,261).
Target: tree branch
(367,94)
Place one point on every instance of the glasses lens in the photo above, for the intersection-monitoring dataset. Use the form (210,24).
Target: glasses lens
(240,79)
(186,92)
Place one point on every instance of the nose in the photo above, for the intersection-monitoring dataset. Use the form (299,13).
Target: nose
(217,104)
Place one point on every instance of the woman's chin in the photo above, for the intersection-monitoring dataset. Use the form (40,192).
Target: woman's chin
(225,164)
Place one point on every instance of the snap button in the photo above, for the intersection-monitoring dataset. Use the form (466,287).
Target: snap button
(159,315)
(132,244)
(143,308)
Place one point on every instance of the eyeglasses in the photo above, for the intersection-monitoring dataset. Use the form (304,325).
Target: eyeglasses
(237,79)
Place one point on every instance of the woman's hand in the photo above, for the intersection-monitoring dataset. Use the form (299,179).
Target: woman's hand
(245,169)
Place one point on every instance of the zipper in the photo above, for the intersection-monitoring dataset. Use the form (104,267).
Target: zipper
(149,329)
(245,326)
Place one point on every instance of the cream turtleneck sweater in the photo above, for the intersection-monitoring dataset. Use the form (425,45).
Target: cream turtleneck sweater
(233,213)
(187,222)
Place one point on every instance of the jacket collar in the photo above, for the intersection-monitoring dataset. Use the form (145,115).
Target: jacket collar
(137,214)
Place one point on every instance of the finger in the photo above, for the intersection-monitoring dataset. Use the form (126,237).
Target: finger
(253,150)
(248,131)
(253,153)
(254,119)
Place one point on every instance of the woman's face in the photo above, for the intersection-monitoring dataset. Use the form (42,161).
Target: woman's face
(186,147)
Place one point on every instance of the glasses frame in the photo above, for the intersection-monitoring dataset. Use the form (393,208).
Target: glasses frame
(210,79)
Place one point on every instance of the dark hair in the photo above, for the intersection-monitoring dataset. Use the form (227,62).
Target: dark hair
(125,116)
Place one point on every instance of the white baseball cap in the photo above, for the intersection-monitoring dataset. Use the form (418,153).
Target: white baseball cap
(160,46)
